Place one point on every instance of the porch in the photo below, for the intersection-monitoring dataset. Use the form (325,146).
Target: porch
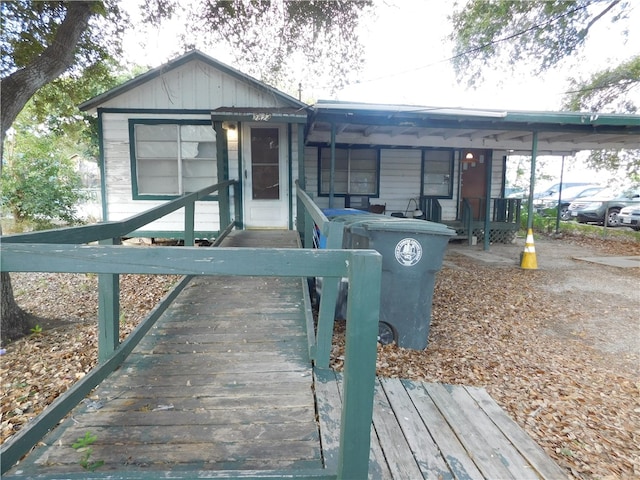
(500,218)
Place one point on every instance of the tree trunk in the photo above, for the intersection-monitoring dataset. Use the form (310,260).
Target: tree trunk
(14,322)
(17,89)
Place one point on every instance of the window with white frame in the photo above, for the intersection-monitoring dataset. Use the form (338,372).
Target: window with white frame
(173,159)
(356,171)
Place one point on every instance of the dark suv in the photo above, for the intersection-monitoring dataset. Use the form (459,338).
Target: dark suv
(606,203)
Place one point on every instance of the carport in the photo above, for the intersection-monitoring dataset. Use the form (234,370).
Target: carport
(532,134)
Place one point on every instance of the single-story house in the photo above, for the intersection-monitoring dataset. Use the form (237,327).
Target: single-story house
(195,121)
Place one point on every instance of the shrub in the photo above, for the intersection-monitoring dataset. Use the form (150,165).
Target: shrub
(38,184)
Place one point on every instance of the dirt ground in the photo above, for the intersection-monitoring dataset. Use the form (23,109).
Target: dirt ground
(606,297)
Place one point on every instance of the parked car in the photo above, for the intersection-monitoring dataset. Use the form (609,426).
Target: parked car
(593,209)
(630,217)
(514,192)
(555,188)
(569,194)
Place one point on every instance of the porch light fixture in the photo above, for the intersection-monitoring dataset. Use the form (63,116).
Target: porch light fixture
(232,130)
(468,159)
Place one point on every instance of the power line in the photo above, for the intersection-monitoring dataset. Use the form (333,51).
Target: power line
(474,49)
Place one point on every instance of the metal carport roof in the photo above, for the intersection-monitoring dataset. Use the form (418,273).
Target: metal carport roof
(559,133)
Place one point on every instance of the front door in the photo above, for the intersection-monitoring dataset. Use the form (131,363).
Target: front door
(473,181)
(266,186)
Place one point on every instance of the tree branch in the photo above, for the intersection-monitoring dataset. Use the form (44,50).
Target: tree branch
(600,15)
(22,84)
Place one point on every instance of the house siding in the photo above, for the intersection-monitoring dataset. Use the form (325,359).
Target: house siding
(194,86)
(400,178)
(118,179)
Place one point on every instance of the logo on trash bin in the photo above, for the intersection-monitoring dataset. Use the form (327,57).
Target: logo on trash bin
(408,252)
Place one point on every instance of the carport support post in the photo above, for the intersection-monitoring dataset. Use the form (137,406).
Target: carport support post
(487,206)
(333,165)
(532,181)
(559,208)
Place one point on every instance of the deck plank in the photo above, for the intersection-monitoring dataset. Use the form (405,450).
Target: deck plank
(426,430)
(501,446)
(458,460)
(465,428)
(397,450)
(424,448)
(329,402)
(529,449)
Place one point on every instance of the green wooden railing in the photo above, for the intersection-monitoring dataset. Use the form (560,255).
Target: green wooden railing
(431,208)
(507,210)
(109,233)
(65,251)
(320,346)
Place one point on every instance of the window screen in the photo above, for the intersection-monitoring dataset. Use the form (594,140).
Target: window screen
(356,171)
(173,159)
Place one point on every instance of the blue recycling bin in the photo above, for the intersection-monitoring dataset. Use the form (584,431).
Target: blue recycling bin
(337,214)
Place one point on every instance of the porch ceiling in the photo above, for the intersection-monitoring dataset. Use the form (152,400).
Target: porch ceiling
(411,126)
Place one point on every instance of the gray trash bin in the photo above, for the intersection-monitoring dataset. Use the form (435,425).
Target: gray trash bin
(412,253)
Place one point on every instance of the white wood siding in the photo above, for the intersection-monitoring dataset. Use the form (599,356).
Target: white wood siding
(400,180)
(194,85)
(120,204)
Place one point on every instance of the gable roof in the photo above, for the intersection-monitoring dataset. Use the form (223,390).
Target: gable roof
(179,61)
(558,132)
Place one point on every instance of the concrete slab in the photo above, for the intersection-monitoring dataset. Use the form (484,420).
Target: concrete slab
(621,262)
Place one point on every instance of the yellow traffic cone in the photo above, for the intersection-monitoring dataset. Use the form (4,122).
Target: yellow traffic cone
(529,256)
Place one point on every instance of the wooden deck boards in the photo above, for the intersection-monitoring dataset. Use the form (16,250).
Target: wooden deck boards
(427,430)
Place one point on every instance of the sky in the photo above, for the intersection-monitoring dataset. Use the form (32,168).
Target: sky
(405,62)
(406,54)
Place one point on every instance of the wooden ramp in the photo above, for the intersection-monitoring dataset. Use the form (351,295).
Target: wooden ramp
(223,381)
(435,431)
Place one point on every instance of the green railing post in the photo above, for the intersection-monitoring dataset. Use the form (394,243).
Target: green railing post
(222,152)
(326,313)
(189,223)
(237,202)
(108,310)
(308,230)
(363,308)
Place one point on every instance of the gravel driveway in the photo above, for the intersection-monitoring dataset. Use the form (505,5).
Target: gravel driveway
(607,297)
